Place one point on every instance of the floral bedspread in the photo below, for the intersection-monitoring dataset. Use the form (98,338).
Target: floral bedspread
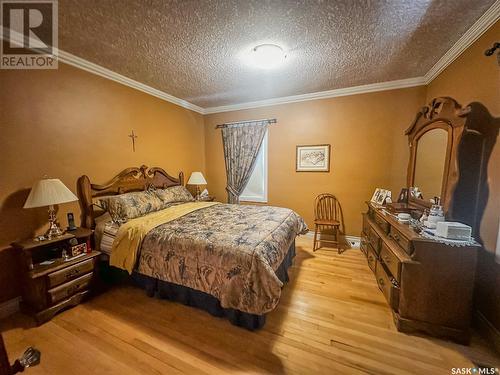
(226,250)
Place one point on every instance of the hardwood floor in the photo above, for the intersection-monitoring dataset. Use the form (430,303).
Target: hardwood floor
(332,319)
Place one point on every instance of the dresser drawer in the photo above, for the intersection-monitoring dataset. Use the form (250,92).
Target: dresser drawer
(387,286)
(382,224)
(374,240)
(69,273)
(391,261)
(371,257)
(401,240)
(68,289)
(366,226)
(363,245)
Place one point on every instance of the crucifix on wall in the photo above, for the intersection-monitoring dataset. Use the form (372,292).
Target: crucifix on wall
(133,138)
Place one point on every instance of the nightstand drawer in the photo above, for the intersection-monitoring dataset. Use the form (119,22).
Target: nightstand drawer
(66,274)
(66,290)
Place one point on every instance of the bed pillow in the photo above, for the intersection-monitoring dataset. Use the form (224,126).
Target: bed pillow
(128,206)
(174,194)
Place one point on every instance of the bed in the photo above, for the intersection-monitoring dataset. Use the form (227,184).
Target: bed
(230,260)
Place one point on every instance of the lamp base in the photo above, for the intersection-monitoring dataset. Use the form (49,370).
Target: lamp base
(54,230)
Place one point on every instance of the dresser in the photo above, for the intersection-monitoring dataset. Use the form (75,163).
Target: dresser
(428,285)
(50,283)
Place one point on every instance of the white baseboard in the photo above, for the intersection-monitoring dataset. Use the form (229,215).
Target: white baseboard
(9,307)
(352,241)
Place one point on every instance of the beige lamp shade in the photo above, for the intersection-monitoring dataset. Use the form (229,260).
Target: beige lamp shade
(197,179)
(48,192)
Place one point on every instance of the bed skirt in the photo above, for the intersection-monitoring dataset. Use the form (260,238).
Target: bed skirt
(207,302)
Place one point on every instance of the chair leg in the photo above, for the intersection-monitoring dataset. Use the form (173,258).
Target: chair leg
(315,237)
(336,230)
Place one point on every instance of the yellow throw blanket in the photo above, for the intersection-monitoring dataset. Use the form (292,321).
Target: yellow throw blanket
(129,238)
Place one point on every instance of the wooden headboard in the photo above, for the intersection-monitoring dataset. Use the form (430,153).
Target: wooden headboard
(130,179)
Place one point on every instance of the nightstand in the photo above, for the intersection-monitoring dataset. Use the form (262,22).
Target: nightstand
(50,283)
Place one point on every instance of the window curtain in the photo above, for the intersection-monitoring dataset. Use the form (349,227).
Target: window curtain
(241,146)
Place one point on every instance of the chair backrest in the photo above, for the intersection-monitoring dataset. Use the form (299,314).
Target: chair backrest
(327,207)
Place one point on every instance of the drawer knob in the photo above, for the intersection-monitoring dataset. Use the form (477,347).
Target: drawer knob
(387,260)
(72,273)
(381,282)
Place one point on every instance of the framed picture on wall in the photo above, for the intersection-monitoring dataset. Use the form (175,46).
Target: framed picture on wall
(313,158)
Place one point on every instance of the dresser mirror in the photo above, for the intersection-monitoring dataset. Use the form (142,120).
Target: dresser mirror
(430,162)
(450,146)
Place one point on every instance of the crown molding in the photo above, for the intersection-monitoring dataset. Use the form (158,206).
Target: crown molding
(363,89)
(491,16)
(484,22)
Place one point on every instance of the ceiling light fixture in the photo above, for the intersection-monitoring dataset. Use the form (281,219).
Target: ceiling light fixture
(267,56)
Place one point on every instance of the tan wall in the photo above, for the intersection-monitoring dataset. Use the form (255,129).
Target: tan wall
(476,78)
(361,130)
(67,122)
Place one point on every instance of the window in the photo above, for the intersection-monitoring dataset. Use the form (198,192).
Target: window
(256,189)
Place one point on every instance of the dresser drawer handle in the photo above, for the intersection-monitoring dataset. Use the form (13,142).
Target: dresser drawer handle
(72,273)
(72,289)
(387,260)
(381,282)
(396,237)
(370,258)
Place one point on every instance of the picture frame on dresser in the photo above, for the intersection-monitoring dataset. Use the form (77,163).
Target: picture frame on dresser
(375,195)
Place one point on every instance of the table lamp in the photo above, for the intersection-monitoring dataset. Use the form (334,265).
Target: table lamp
(197,179)
(48,192)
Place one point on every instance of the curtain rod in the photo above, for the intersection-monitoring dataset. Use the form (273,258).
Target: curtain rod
(266,120)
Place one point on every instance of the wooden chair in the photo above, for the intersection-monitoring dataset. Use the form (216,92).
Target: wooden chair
(327,214)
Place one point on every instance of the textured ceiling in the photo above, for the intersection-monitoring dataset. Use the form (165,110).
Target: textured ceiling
(192,49)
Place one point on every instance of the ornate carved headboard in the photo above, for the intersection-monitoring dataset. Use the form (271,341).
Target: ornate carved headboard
(130,179)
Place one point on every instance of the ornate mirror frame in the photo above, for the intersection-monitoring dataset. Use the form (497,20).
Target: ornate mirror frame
(472,134)
(441,113)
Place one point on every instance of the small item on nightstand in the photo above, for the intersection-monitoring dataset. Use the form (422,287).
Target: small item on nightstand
(50,192)
(71,221)
(79,249)
(65,255)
